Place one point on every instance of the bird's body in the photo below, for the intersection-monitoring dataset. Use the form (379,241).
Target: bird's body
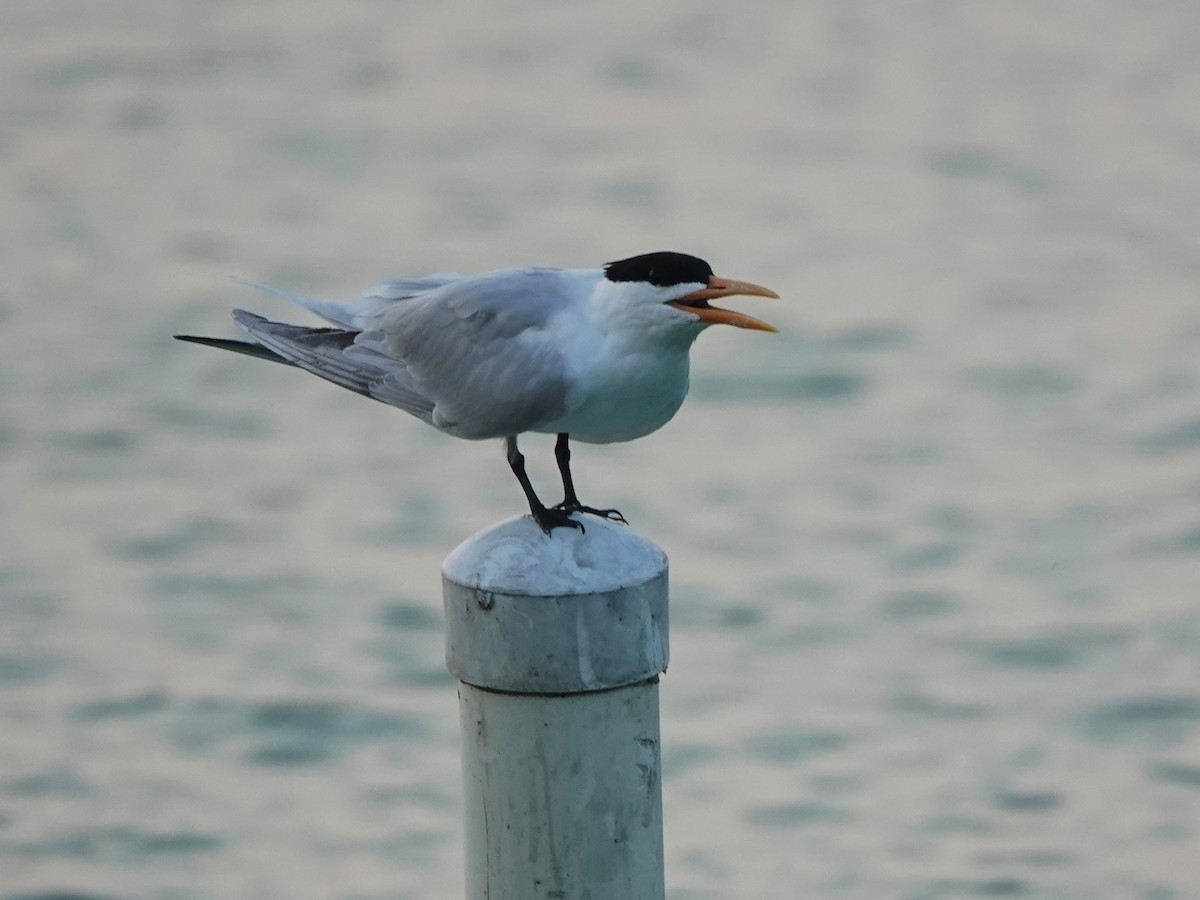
(600,355)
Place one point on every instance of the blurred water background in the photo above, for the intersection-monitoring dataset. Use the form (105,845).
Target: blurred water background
(935,548)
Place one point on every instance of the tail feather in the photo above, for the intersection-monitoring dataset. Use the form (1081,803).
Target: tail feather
(340,314)
(317,350)
(330,353)
(246,347)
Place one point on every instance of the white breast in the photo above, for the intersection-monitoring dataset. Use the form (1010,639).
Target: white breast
(620,392)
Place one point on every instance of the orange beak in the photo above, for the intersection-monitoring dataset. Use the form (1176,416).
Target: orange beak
(696,303)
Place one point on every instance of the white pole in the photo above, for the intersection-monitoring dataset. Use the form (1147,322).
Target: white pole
(558,643)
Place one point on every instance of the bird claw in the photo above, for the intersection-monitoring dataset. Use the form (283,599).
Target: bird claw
(556,517)
(612,515)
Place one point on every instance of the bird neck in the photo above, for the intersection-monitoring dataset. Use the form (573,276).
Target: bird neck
(640,325)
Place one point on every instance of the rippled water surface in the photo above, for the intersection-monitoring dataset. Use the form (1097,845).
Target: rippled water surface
(935,548)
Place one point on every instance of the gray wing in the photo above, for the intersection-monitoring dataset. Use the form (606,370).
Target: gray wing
(481,349)
(333,354)
(405,288)
(472,356)
(373,301)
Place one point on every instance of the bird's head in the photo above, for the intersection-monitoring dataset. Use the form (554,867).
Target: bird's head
(675,290)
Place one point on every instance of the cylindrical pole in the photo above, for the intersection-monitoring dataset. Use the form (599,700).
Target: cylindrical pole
(558,642)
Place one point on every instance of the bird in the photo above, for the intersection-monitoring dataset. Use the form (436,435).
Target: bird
(596,355)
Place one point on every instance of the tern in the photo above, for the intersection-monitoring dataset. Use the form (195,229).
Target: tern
(598,355)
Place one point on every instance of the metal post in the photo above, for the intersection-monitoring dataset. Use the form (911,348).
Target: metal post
(558,643)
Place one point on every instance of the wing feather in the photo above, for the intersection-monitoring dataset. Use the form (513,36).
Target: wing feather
(482,346)
(474,357)
(332,354)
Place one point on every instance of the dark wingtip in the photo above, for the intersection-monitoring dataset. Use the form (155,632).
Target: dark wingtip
(244,347)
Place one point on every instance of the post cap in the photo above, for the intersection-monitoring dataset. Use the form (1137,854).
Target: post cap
(568,612)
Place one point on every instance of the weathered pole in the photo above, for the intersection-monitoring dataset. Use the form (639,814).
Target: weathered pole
(557,642)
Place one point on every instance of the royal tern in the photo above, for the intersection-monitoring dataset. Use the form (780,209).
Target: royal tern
(598,355)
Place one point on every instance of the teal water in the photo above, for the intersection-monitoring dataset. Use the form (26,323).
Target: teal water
(935,547)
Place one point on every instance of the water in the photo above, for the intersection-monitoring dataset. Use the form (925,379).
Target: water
(935,549)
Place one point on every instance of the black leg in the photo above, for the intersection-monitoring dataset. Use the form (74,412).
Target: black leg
(562,454)
(547,519)
(570,502)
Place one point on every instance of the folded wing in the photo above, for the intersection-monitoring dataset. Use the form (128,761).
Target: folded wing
(474,357)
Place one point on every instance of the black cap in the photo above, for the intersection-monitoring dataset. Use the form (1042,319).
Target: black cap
(661,269)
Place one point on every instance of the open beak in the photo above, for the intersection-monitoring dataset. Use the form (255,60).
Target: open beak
(697,303)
